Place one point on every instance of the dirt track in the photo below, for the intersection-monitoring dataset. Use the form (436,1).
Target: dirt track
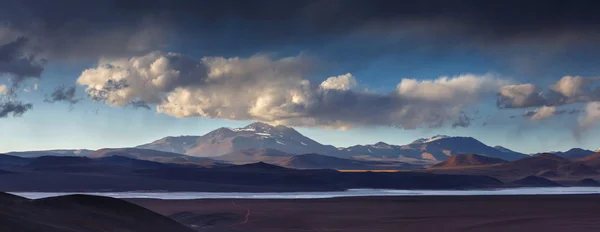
(374,214)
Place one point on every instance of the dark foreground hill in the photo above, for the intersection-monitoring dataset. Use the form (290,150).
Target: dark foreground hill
(79,213)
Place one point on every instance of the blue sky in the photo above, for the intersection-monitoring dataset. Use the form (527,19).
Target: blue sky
(379,47)
(54,126)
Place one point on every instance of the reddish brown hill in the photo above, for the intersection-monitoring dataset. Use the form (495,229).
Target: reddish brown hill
(548,165)
(464,160)
(545,164)
(539,162)
(576,169)
(592,160)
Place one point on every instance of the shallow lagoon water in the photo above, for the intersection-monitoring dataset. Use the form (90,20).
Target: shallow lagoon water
(315,195)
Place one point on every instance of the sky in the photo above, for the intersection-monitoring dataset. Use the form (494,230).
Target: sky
(109,73)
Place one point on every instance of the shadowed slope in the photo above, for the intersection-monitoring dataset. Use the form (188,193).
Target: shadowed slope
(535,181)
(254,155)
(316,161)
(156,156)
(10,161)
(587,183)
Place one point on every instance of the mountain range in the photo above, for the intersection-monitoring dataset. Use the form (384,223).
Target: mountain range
(260,142)
(259,136)
(61,152)
(226,140)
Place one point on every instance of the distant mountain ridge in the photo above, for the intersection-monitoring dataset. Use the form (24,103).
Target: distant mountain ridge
(286,139)
(272,139)
(225,140)
(574,153)
(432,150)
(58,152)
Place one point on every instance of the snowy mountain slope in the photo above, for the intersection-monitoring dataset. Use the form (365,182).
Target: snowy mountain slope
(263,136)
(225,140)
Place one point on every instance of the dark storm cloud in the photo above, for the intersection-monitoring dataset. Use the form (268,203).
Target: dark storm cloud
(462,121)
(139,105)
(67,29)
(16,64)
(73,24)
(63,94)
(16,108)
(75,29)
(497,20)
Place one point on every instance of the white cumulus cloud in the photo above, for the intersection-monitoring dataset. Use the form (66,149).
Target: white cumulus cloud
(544,113)
(569,86)
(591,115)
(4,90)
(341,82)
(278,91)
(464,88)
(567,90)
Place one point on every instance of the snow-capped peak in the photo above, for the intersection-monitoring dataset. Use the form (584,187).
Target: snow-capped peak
(381,145)
(427,140)
(256,127)
(597,150)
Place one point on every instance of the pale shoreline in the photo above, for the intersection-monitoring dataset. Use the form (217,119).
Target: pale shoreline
(166,195)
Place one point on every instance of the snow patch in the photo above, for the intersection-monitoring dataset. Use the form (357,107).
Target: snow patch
(263,134)
(428,140)
(307,145)
(282,143)
(369,150)
(244,129)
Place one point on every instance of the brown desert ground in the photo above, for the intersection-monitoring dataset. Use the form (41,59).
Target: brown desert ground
(377,214)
